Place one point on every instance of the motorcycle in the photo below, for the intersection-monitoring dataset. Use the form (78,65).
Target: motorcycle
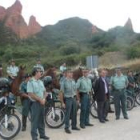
(10,124)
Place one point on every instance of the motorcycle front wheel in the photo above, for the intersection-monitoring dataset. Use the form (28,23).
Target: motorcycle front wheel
(11,128)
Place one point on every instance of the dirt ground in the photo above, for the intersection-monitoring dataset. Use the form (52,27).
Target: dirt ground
(113,130)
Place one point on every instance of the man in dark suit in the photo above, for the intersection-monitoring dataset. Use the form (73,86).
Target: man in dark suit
(102,96)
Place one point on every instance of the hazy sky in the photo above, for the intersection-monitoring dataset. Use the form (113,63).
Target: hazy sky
(104,14)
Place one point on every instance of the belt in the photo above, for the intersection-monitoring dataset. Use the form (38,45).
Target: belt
(83,92)
(120,89)
(71,97)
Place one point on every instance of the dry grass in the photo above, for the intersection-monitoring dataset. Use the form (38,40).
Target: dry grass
(112,59)
(118,59)
(133,65)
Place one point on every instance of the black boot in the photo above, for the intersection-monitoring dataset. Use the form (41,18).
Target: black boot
(24,120)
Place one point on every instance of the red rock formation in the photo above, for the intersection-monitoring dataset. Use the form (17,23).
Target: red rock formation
(129,24)
(15,21)
(15,9)
(2,13)
(94,29)
(34,27)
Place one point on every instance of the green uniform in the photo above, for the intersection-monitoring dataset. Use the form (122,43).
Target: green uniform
(25,104)
(37,110)
(130,88)
(36,87)
(119,84)
(25,101)
(84,86)
(68,87)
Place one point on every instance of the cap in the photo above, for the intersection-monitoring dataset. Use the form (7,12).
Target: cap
(36,69)
(27,75)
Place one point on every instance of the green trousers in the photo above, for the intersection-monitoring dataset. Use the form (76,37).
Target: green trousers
(71,111)
(37,120)
(120,102)
(25,107)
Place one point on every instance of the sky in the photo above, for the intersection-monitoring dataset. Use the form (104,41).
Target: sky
(105,14)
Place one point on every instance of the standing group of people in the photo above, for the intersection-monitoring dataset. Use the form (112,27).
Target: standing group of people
(72,93)
(118,84)
(33,94)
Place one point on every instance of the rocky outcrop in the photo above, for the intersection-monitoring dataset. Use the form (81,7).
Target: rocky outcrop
(13,19)
(94,29)
(129,24)
(15,9)
(33,27)
(2,13)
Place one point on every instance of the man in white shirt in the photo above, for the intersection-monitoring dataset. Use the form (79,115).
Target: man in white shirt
(12,70)
(63,67)
(38,64)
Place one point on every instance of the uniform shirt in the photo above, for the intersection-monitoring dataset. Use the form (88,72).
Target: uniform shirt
(131,81)
(119,82)
(23,87)
(36,87)
(40,66)
(62,68)
(68,87)
(84,84)
(12,70)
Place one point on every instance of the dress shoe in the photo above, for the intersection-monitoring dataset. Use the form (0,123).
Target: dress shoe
(102,121)
(35,139)
(126,117)
(23,128)
(75,128)
(68,131)
(110,111)
(44,137)
(106,120)
(89,124)
(82,126)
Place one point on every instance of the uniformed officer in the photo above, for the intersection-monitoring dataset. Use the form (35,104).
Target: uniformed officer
(25,100)
(68,88)
(12,70)
(119,84)
(36,91)
(131,83)
(84,87)
(38,64)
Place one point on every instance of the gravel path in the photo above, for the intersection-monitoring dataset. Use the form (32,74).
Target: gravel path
(113,130)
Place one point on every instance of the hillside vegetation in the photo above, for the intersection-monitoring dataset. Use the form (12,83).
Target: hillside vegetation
(70,41)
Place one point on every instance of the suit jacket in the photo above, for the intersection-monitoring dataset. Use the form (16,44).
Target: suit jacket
(99,90)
